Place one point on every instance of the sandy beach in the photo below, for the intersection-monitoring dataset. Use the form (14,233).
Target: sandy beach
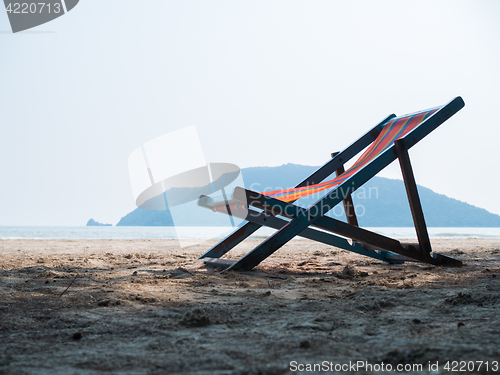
(149,307)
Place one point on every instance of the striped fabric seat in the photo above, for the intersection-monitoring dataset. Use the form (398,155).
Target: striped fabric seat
(393,130)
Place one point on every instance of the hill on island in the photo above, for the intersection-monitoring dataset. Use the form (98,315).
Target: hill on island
(381,202)
(93,223)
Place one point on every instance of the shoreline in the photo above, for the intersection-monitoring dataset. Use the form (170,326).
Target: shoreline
(205,233)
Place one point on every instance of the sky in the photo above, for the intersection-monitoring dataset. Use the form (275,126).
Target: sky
(265,83)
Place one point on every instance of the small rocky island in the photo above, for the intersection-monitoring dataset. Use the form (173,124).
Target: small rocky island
(93,223)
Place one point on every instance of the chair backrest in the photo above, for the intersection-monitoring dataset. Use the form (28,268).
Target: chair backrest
(394,129)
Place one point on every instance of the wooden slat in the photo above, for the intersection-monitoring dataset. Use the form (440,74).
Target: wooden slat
(349,210)
(413,198)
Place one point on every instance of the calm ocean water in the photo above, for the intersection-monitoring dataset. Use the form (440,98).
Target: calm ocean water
(14,232)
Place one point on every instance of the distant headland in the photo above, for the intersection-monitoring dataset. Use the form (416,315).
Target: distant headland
(93,223)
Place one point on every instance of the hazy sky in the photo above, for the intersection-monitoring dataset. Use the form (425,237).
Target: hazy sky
(296,80)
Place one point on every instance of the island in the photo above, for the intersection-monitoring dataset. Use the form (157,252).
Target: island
(93,223)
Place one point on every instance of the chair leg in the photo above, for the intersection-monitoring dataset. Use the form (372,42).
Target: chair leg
(413,198)
(231,241)
(350,213)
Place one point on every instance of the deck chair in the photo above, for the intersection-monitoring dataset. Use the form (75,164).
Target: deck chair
(387,141)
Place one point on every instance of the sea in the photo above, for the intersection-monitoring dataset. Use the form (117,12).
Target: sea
(189,233)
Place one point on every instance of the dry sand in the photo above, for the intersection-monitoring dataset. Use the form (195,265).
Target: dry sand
(149,307)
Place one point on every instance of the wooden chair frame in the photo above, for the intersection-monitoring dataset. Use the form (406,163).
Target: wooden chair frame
(291,220)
